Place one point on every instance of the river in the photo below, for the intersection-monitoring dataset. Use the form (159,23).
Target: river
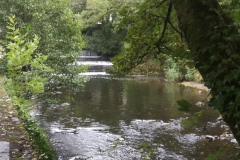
(130,118)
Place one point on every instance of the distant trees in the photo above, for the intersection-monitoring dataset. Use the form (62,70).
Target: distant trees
(99,18)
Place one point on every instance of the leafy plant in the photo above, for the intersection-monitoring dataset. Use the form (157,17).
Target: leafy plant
(60,32)
(22,84)
(177,69)
(172,72)
(184,105)
(190,74)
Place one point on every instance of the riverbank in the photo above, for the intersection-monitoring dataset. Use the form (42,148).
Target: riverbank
(12,132)
(194,85)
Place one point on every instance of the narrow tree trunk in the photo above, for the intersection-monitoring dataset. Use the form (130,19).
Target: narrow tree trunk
(205,28)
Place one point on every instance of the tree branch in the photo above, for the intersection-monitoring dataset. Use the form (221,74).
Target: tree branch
(166,21)
(165,24)
(174,28)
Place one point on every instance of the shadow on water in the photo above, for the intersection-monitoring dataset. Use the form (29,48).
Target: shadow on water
(129,118)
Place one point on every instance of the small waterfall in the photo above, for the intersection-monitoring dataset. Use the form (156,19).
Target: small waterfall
(98,65)
(89,54)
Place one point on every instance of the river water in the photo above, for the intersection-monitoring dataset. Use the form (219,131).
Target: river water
(130,118)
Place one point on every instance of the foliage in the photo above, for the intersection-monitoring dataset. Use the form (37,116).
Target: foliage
(172,71)
(190,74)
(150,67)
(103,39)
(95,11)
(53,21)
(145,38)
(190,121)
(99,18)
(212,34)
(178,69)
(77,6)
(22,85)
(184,105)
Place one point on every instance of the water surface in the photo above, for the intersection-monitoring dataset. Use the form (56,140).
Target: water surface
(129,118)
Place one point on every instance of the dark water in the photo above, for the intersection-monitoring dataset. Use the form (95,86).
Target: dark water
(130,119)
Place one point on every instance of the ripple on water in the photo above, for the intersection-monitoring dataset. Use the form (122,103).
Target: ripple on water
(97,144)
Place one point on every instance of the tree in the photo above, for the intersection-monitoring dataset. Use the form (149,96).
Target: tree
(103,39)
(78,5)
(211,34)
(147,27)
(94,12)
(99,19)
(58,29)
(99,34)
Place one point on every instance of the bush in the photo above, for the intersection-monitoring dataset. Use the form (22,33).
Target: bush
(22,84)
(172,72)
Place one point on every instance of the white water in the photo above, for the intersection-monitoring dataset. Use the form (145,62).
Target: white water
(94,73)
(96,66)
(95,63)
(89,56)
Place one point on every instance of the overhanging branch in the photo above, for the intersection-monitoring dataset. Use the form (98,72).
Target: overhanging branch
(165,24)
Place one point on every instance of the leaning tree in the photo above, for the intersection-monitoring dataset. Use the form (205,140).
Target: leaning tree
(211,34)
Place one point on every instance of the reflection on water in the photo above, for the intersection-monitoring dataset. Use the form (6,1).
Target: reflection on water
(118,119)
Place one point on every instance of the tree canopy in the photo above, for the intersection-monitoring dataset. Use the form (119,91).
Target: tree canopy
(55,24)
(99,19)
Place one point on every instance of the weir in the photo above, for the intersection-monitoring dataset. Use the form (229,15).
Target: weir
(97,65)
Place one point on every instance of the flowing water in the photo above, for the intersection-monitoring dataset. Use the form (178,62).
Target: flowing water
(130,118)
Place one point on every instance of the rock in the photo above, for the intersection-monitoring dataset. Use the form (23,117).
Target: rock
(211,138)
(219,118)
(121,139)
(7,100)
(199,104)
(233,141)
(65,104)
(4,150)
(15,120)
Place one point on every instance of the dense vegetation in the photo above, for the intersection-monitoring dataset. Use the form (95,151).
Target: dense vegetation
(42,43)
(59,31)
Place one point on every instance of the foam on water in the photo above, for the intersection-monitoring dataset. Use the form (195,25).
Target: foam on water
(95,63)
(94,73)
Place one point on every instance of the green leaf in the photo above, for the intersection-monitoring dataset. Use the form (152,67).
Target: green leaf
(189,121)
(184,105)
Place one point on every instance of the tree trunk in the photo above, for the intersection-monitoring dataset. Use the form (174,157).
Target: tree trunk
(208,32)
